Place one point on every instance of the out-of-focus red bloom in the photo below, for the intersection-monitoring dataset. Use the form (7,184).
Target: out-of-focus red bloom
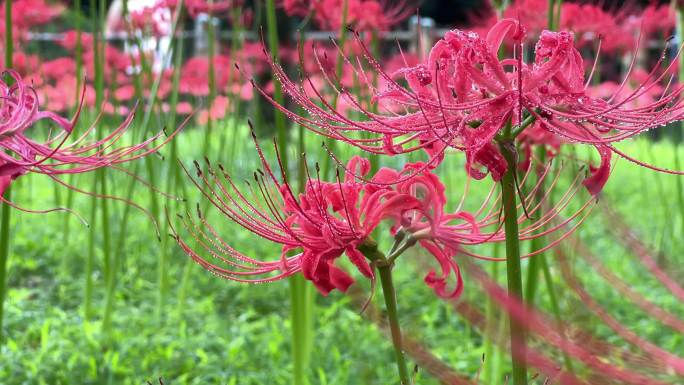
(19,110)
(26,65)
(58,68)
(218,110)
(655,21)
(69,40)
(195,73)
(533,14)
(464,96)
(299,8)
(590,21)
(619,91)
(196,7)
(367,15)
(27,14)
(153,20)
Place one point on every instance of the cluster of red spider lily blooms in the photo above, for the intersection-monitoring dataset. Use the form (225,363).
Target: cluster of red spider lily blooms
(462,98)
(125,73)
(122,69)
(58,154)
(589,21)
(370,15)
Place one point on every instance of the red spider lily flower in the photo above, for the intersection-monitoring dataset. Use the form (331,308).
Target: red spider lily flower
(20,154)
(327,220)
(321,224)
(464,96)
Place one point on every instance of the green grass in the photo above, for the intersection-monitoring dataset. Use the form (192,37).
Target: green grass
(230,333)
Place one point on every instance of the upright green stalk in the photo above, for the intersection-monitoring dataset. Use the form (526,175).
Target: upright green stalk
(272,24)
(211,35)
(370,250)
(302,302)
(392,315)
(491,323)
(537,243)
(5,216)
(90,264)
(339,63)
(100,183)
(539,261)
(513,270)
(174,179)
(110,262)
(559,7)
(680,184)
(79,83)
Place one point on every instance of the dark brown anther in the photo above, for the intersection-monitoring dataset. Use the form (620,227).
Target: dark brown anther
(199,211)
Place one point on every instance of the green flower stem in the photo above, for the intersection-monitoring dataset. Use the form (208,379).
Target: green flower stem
(539,261)
(109,257)
(211,35)
(281,125)
(64,267)
(5,216)
(554,306)
(513,269)
(391,303)
(537,243)
(339,63)
(559,7)
(370,250)
(680,184)
(491,324)
(301,299)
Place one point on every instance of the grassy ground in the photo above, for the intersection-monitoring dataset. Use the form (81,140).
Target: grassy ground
(211,331)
